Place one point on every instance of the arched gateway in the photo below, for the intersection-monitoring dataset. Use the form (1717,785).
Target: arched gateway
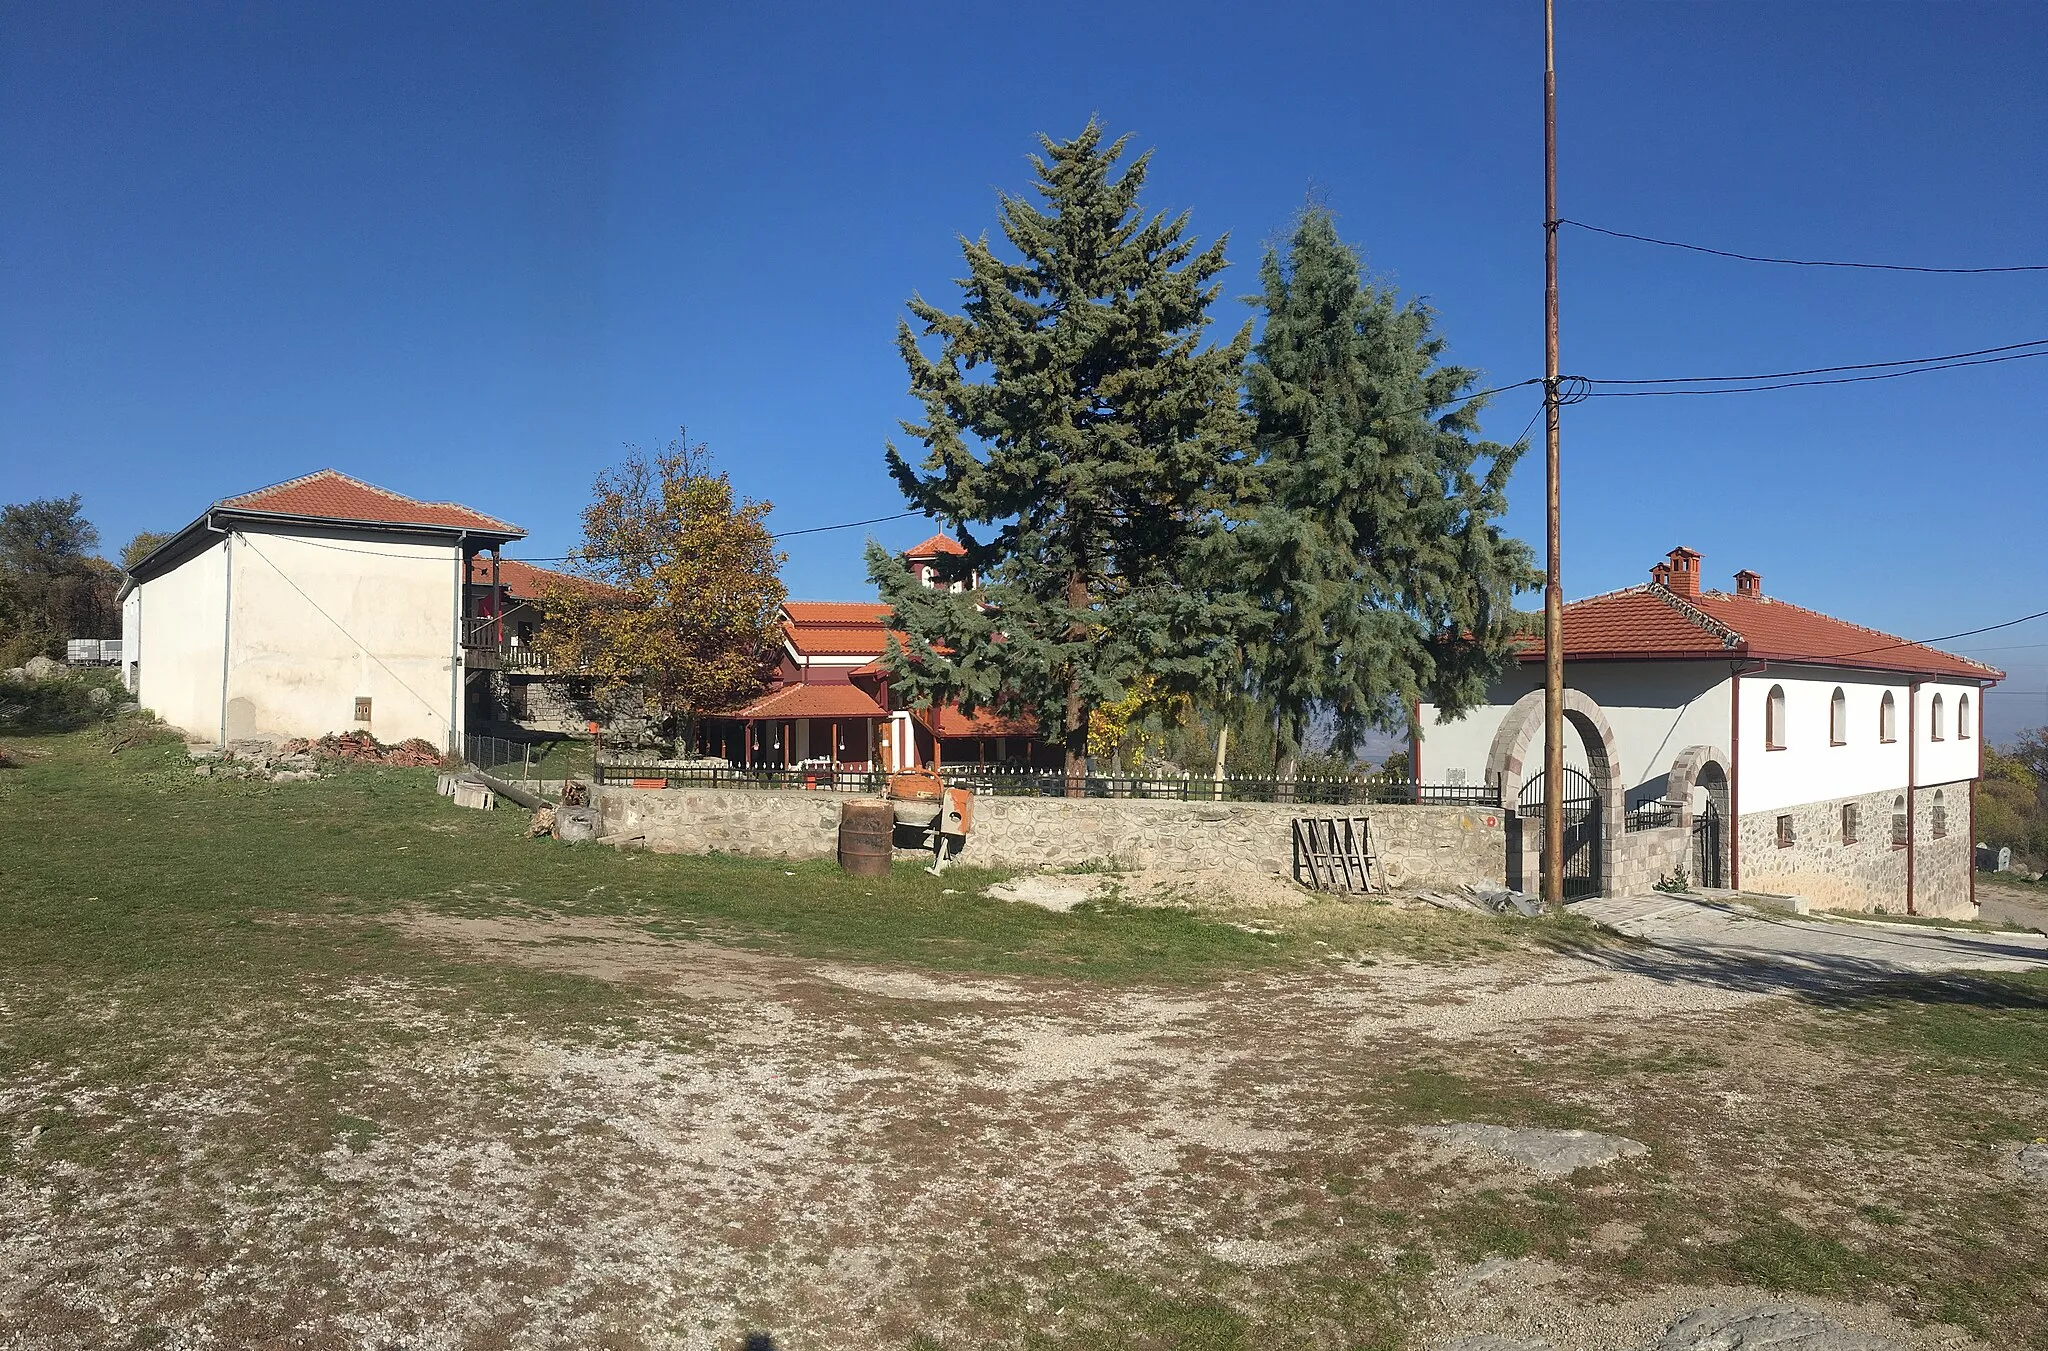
(1598,823)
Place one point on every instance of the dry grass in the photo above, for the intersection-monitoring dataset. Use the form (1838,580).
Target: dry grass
(623,1108)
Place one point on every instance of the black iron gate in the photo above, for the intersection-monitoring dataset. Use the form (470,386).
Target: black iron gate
(1581,805)
(1706,847)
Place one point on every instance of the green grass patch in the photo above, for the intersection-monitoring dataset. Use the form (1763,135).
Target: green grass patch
(1430,1094)
(1994,1025)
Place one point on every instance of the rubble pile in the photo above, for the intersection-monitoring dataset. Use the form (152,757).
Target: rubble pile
(363,749)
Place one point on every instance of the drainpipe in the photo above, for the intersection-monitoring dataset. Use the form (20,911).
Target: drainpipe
(1735,674)
(1912,784)
(1977,712)
(227,622)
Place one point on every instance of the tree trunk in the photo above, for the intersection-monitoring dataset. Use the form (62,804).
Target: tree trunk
(1076,730)
(1286,757)
(1076,725)
(1222,749)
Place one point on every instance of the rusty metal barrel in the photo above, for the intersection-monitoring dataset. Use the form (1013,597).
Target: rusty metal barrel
(867,838)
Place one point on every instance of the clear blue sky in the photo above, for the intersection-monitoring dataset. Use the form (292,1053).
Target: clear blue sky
(469,253)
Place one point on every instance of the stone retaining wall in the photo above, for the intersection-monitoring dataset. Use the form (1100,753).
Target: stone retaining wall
(1442,846)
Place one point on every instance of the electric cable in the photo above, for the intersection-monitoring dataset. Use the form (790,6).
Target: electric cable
(1829,370)
(1802,384)
(1801,262)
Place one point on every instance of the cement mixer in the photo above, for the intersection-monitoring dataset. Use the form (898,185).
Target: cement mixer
(923,802)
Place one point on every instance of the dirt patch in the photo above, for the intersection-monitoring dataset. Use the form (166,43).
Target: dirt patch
(854,1156)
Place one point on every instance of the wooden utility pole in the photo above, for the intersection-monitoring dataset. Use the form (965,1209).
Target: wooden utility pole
(1553,585)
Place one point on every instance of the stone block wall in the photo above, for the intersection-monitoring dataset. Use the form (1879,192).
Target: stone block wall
(1942,863)
(1443,846)
(1869,874)
(1642,858)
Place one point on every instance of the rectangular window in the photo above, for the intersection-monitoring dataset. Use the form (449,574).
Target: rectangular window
(1786,839)
(1850,822)
(363,710)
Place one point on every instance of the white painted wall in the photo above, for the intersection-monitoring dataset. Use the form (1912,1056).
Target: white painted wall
(318,621)
(1810,769)
(1656,709)
(1954,757)
(178,621)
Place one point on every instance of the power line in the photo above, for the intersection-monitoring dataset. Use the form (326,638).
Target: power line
(1946,637)
(1801,262)
(570,558)
(1799,384)
(1829,370)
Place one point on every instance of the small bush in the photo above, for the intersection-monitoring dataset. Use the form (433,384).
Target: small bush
(63,703)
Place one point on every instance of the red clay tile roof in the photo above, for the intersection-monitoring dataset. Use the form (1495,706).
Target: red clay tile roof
(523,581)
(1651,623)
(835,628)
(813,701)
(337,497)
(951,722)
(936,545)
(837,640)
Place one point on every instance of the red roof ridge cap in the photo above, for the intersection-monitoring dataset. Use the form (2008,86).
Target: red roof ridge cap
(1699,618)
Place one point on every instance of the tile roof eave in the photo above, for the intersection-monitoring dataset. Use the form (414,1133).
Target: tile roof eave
(505,531)
(1988,675)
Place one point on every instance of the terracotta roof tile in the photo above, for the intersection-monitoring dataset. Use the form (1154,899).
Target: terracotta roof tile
(1781,631)
(337,497)
(951,722)
(523,581)
(936,545)
(813,701)
(1650,622)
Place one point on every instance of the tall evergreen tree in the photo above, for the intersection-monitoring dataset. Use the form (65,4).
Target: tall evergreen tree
(1073,411)
(1374,572)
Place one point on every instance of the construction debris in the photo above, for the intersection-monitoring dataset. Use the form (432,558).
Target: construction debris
(362,748)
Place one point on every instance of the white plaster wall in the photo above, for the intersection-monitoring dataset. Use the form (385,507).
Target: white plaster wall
(178,633)
(1952,758)
(1656,709)
(1810,769)
(300,661)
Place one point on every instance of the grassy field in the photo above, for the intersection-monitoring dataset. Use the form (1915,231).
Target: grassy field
(338,1064)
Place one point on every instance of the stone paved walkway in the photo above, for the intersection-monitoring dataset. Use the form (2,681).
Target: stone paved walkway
(1730,930)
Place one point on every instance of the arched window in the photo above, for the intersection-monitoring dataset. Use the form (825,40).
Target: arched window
(1962,717)
(1887,718)
(1940,815)
(1774,719)
(1838,718)
(1934,719)
(1899,831)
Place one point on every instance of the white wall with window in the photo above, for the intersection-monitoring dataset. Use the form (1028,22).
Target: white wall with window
(1948,747)
(1826,742)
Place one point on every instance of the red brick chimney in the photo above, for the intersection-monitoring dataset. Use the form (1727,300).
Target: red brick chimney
(1750,584)
(1684,567)
(1660,575)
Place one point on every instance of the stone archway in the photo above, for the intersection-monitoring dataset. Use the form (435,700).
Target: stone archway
(1507,767)
(1705,767)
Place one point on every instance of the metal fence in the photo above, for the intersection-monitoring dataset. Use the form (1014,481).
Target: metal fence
(1361,790)
(1650,816)
(529,757)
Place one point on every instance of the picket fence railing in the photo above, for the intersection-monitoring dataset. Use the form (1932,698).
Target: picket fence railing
(1356,790)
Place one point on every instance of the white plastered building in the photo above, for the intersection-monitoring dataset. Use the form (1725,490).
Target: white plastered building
(322,604)
(1747,741)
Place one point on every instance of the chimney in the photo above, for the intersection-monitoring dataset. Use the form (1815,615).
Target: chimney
(1685,572)
(1750,584)
(1661,576)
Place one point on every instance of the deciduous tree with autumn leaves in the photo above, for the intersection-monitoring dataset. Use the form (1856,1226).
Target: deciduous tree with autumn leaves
(674,590)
